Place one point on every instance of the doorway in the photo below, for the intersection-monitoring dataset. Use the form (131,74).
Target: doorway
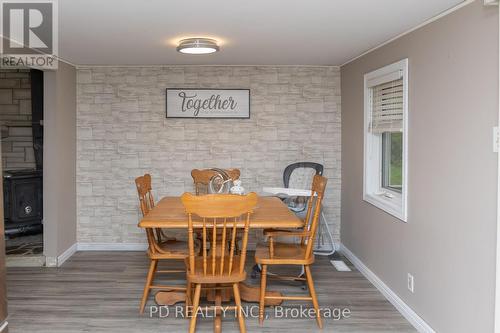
(21,117)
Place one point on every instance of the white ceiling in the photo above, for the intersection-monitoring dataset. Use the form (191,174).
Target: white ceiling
(255,32)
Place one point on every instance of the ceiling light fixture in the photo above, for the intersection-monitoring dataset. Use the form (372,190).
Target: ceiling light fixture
(198,46)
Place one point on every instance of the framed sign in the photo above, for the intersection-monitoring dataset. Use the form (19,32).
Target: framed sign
(208,103)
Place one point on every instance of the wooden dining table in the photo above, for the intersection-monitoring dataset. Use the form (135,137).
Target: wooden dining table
(271,212)
(169,213)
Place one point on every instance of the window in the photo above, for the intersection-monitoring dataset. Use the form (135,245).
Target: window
(392,161)
(385,134)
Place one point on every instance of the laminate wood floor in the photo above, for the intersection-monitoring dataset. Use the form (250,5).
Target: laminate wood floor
(100,292)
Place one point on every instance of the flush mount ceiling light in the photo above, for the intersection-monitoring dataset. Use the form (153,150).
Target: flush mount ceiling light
(198,46)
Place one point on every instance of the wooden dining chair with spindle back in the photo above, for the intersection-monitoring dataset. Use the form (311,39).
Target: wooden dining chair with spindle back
(299,254)
(201,181)
(160,247)
(202,177)
(221,216)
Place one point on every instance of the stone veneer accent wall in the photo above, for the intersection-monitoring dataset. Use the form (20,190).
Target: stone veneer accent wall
(122,133)
(15,119)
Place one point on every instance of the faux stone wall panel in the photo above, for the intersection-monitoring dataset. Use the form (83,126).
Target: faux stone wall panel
(122,133)
(15,119)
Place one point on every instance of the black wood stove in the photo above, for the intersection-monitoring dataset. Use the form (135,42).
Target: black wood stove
(23,206)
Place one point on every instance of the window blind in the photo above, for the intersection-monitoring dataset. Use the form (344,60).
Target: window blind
(387,107)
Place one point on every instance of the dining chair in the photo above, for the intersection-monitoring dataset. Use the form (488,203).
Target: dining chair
(219,267)
(295,254)
(201,180)
(202,177)
(296,175)
(160,247)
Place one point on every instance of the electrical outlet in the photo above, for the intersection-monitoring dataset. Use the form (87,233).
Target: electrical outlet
(411,282)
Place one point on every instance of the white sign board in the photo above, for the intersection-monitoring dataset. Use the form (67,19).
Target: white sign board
(208,103)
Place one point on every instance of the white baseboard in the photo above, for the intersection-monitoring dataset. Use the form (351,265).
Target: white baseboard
(58,261)
(66,254)
(391,296)
(112,246)
(51,261)
(4,326)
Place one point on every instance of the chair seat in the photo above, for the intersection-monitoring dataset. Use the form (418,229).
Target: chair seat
(173,249)
(284,254)
(199,277)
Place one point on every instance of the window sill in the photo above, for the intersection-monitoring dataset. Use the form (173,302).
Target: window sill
(392,206)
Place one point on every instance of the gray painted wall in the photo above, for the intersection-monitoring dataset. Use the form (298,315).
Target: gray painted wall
(59,160)
(123,133)
(453,105)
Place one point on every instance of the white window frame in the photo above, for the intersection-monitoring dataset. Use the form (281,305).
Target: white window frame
(392,202)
